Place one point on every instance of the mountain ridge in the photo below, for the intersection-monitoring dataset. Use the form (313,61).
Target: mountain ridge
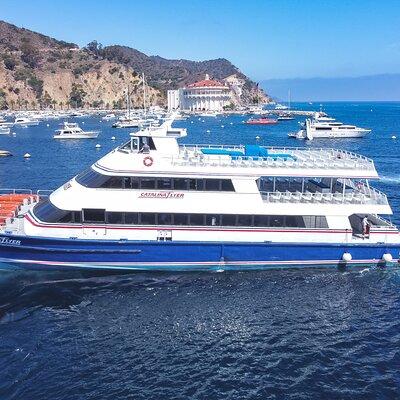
(39,71)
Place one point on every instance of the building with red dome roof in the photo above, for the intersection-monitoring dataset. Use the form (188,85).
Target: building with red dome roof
(205,95)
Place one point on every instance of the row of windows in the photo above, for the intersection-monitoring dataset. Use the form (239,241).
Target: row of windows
(47,212)
(93,179)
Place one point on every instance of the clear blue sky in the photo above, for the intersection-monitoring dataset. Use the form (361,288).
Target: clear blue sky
(266,39)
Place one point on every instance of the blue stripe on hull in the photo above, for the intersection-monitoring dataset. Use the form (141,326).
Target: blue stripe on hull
(46,253)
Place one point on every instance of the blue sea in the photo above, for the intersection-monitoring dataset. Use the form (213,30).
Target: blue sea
(277,334)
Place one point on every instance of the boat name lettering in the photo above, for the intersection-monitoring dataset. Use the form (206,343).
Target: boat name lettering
(14,242)
(161,195)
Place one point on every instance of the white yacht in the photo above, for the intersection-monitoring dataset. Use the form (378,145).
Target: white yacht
(128,122)
(4,130)
(25,121)
(109,117)
(74,131)
(152,204)
(323,126)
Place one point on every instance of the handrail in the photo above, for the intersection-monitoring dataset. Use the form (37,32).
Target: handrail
(197,158)
(333,197)
(281,148)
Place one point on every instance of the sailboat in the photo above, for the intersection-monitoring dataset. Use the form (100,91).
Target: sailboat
(286,116)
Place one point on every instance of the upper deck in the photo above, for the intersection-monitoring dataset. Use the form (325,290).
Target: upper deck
(235,161)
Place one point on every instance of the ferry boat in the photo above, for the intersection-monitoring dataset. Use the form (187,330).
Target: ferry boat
(152,204)
(72,130)
(261,121)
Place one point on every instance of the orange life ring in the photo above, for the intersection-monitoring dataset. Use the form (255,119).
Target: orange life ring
(148,161)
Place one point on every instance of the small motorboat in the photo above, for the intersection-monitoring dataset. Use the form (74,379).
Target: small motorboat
(261,121)
(5,153)
(74,131)
(4,130)
(285,117)
(109,117)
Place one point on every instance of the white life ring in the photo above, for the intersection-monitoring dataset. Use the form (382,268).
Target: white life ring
(148,161)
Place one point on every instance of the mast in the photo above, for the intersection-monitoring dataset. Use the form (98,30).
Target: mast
(144,94)
(128,102)
(289,99)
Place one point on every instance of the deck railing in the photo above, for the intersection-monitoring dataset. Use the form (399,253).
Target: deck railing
(300,158)
(367,196)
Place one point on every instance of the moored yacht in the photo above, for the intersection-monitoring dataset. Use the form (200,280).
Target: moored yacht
(109,117)
(152,204)
(72,130)
(323,126)
(25,121)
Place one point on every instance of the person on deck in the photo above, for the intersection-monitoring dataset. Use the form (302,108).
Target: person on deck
(365,226)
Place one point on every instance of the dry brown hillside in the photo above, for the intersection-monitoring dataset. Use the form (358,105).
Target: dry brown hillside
(37,70)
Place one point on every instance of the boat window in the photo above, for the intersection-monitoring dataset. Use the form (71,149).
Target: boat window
(228,220)
(213,220)
(148,218)
(131,218)
(91,179)
(261,220)
(312,221)
(147,183)
(196,219)
(227,185)
(143,140)
(181,184)
(77,216)
(293,221)
(276,220)
(164,219)
(48,212)
(164,183)
(199,184)
(212,185)
(135,182)
(92,215)
(67,218)
(181,219)
(244,220)
(113,182)
(115,217)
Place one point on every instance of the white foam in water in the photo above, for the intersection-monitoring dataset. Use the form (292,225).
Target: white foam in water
(390,179)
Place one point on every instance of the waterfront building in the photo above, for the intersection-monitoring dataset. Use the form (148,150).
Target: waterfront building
(205,95)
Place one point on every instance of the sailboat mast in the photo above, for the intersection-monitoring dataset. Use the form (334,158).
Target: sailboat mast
(128,102)
(144,94)
(289,98)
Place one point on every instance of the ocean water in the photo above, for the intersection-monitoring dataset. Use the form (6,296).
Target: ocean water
(283,334)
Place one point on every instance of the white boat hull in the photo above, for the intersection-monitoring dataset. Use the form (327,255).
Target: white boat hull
(339,133)
(77,136)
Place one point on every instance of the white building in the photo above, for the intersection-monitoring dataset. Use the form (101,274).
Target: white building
(205,95)
(173,99)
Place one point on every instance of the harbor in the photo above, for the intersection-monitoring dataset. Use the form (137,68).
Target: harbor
(199,200)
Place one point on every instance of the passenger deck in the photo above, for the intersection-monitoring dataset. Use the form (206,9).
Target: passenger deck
(271,157)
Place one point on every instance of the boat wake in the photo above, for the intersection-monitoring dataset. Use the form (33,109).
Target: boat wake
(390,179)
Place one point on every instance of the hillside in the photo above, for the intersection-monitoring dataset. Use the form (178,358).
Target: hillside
(37,70)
